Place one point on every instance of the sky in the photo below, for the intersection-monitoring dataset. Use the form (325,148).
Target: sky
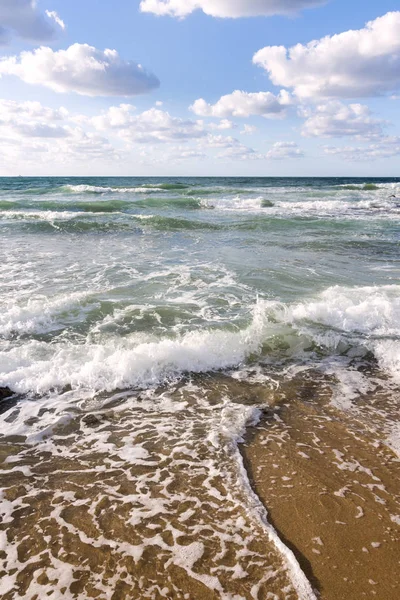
(199,88)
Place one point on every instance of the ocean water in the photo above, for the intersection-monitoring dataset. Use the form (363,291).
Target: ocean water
(141,320)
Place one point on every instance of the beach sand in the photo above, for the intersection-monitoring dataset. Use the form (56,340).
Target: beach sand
(332,490)
(146,499)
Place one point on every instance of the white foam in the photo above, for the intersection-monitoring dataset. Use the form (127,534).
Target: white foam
(39,314)
(45,215)
(126,362)
(393,439)
(340,319)
(365,316)
(235,204)
(94,189)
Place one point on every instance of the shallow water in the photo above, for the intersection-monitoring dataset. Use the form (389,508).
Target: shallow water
(144,325)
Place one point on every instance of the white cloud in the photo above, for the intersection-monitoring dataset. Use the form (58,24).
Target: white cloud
(41,130)
(240,152)
(244,104)
(228,8)
(282,150)
(82,69)
(32,134)
(31,119)
(35,136)
(10,110)
(150,126)
(355,63)
(223,124)
(233,149)
(385,148)
(180,153)
(53,15)
(334,119)
(229,147)
(248,130)
(24,19)
(221,141)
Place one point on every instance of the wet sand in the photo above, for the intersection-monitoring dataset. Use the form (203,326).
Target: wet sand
(332,490)
(146,498)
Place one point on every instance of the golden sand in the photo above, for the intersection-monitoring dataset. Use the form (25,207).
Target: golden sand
(137,501)
(332,490)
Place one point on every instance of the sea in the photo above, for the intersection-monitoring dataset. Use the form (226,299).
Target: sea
(146,326)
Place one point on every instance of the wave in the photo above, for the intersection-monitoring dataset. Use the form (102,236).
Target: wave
(335,207)
(179,203)
(341,321)
(165,186)
(238,204)
(94,189)
(171,223)
(102,206)
(142,189)
(67,222)
(81,222)
(367,187)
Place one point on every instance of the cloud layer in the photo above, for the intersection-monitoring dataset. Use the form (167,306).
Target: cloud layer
(82,69)
(387,147)
(24,19)
(356,63)
(227,8)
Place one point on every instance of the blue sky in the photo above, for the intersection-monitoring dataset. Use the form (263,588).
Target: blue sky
(214,98)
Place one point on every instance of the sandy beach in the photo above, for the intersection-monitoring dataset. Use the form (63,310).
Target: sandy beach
(332,490)
(148,498)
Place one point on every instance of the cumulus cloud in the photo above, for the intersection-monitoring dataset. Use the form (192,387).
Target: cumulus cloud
(223,124)
(334,119)
(11,109)
(41,130)
(248,130)
(82,69)
(150,126)
(229,148)
(240,152)
(233,149)
(24,19)
(227,8)
(31,119)
(245,104)
(388,147)
(356,63)
(181,153)
(36,135)
(283,150)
